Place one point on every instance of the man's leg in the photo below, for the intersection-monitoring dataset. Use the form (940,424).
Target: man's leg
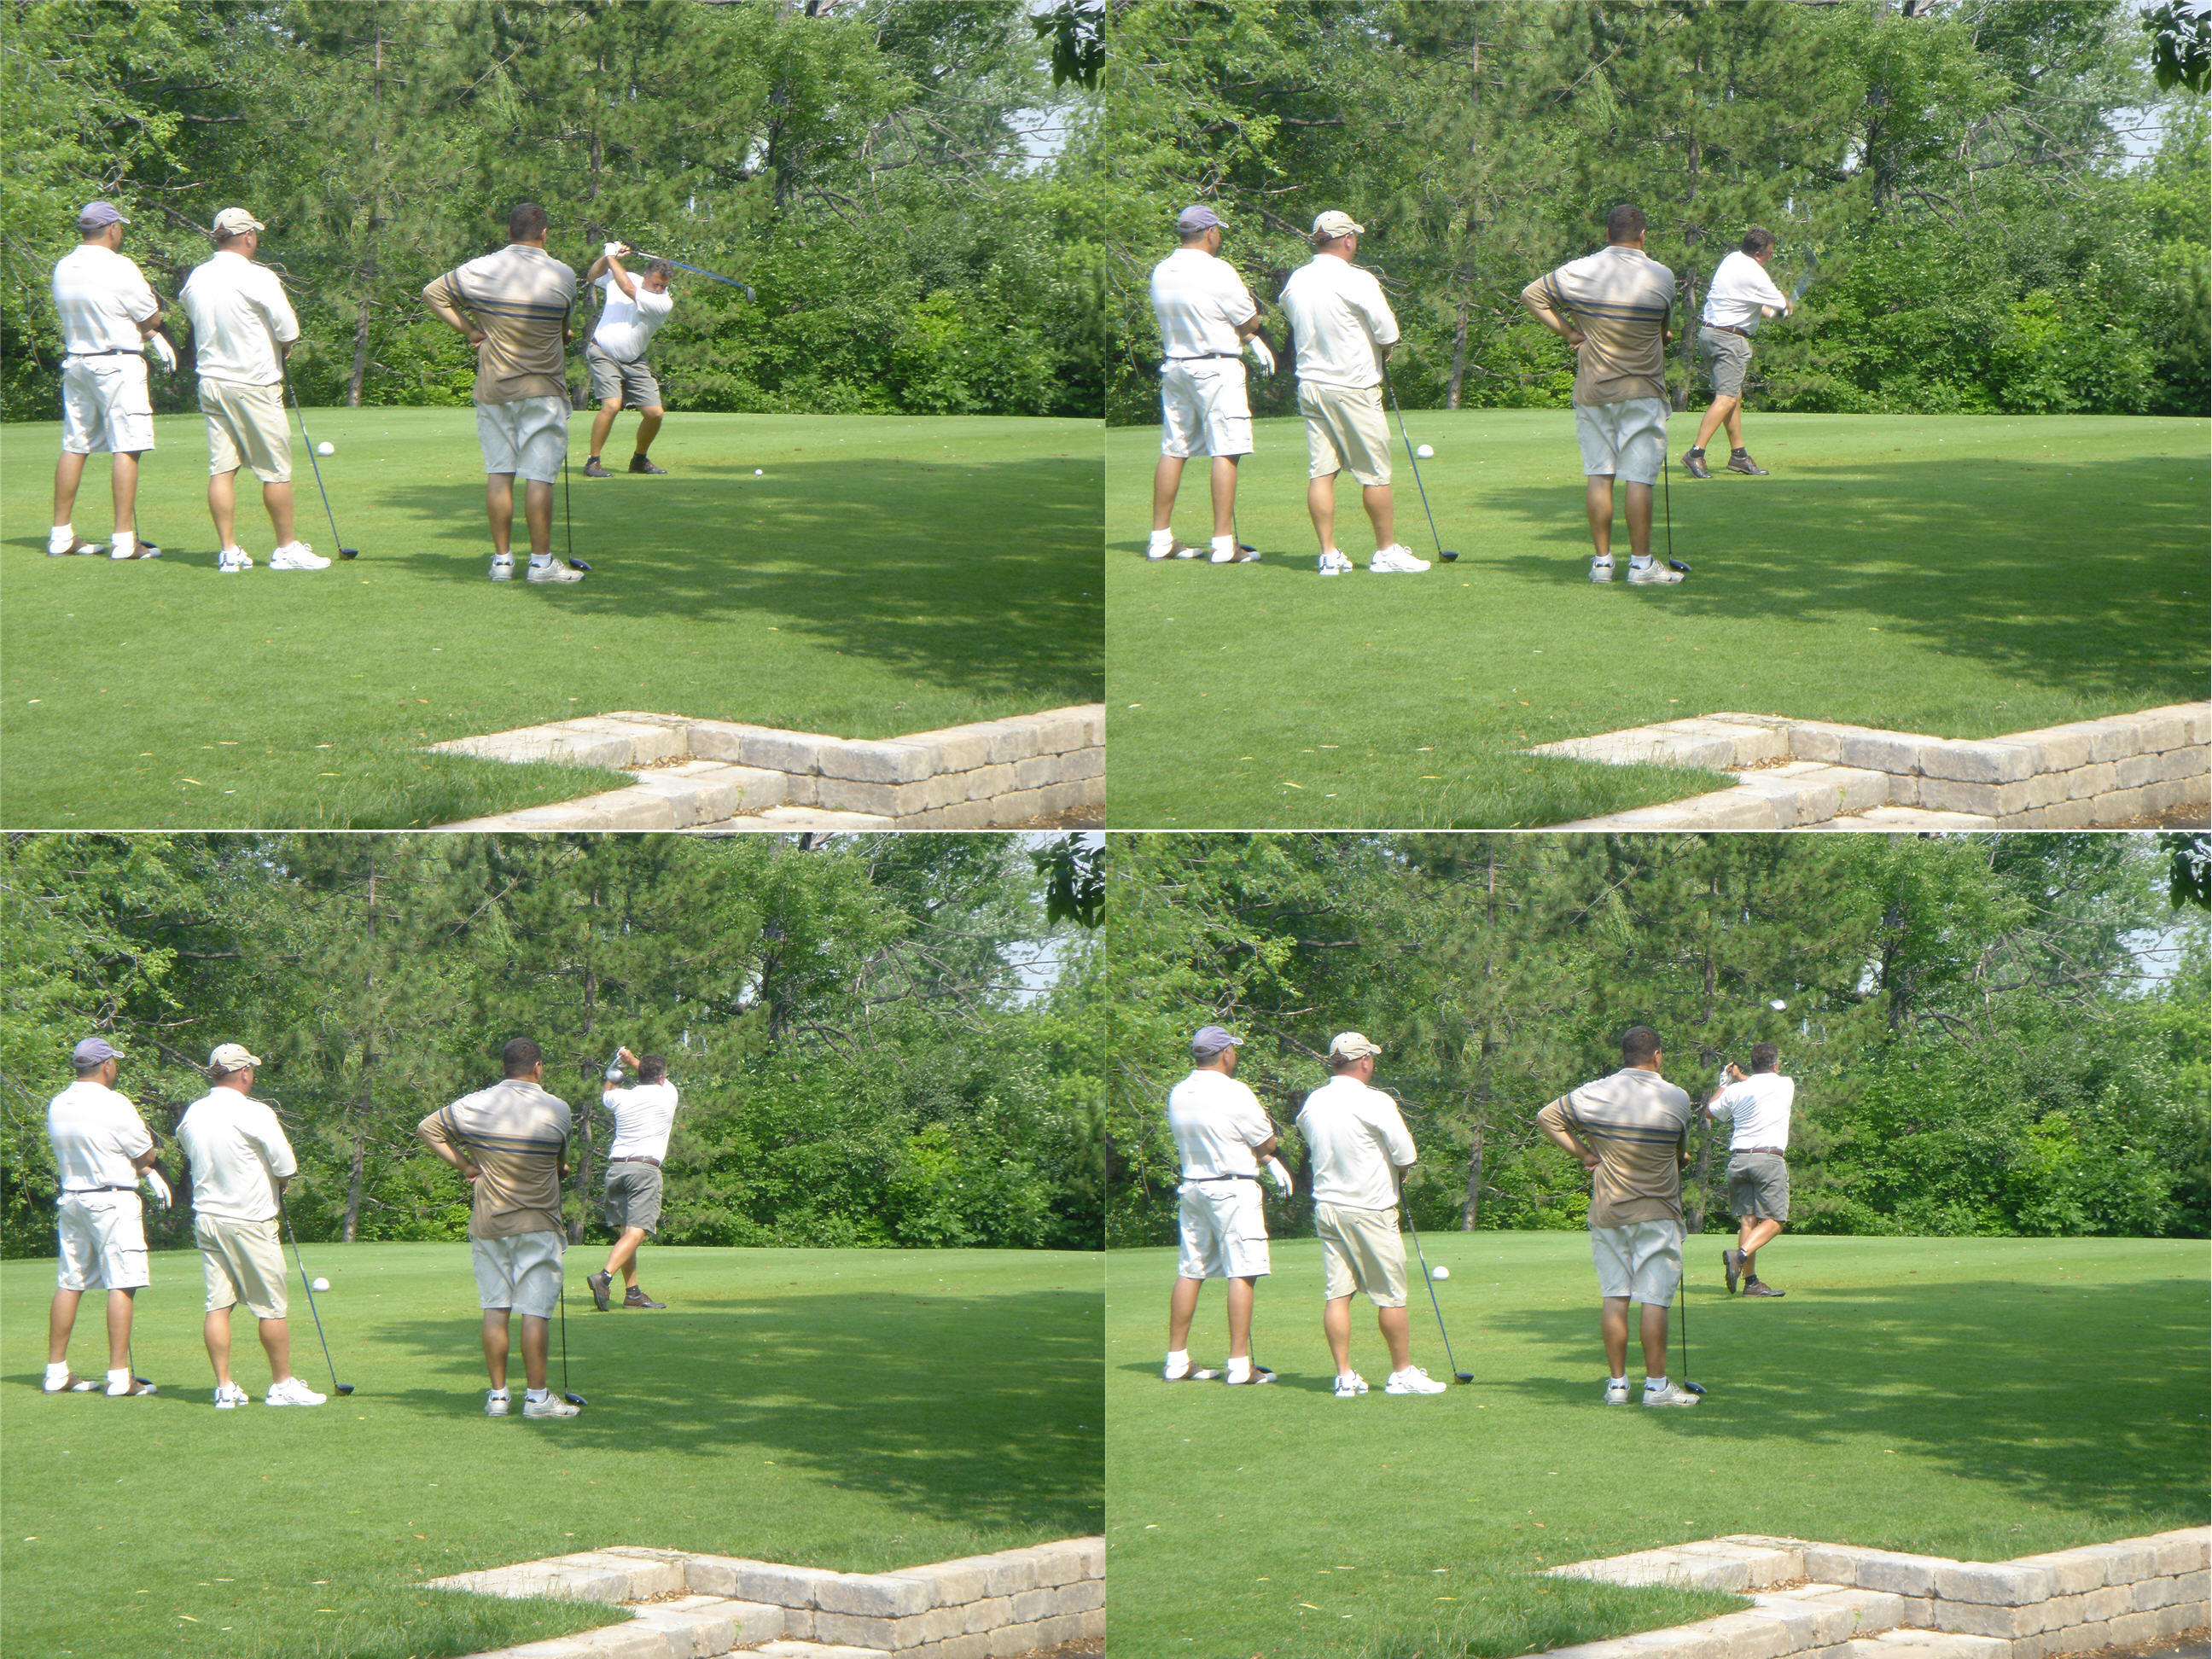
(494,1345)
(125,491)
(1612,1326)
(649,427)
(1224,496)
(276,1343)
(1240,1318)
(1654,1333)
(68,473)
(1182,1307)
(61,1320)
(222,508)
(1755,1232)
(603,423)
(277,498)
(1166,478)
(499,507)
(623,1259)
(215,1331)
(1336,1326)
(1735,423)
(538,514)
(1397,1335)
(1638,508)
(537,1340)
(1321,507)
(1597,502)
(1382,513)
(119,1304)
(1722,408)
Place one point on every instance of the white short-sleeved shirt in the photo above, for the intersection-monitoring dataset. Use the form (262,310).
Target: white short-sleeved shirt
(1354,1138)
(1739,288)
(96,1133)
(1759,1108)
(1200,300)
(238,1152)
(237,308)
(1216,1122)
(626,326)
(643,1117)
(102,299)
(1338,317)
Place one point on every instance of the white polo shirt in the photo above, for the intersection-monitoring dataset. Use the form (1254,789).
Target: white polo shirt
(95,1132)
(1216,1122)
(238,1152)
(1339,318)
(102,299)
(237,308)
(643,1117)
(1354,1140)
(1739,288)
(1759,1108)
(626,326)
(1200,300)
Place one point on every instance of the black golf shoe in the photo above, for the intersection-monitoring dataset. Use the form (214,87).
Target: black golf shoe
(1694,465)
(1761,1287)
(640,464)
(599,1283)
(1740,461)
(638,1298)
(593,470)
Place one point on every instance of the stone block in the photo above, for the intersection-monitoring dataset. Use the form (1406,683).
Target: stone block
(2131,1628)
(1032,1605)
(855,1630)
(986,782)
(2112,738)
(1895,752)
(967,815)
(2180,1616)
(2183,763)
(2008,1621)
(1059,798)
(888,800)
(1796,801)
(1987,760)
(955,1582)
(2120,805)
(2107,1604)
(2136,770)
(991,1612)
(1010,1639)
(954,1647)
(1917,1612)
(799,1650)
(1036,772)
(1079,1596)
(1060,730)
(1012,1571)
(2188,1550)
(768,1581)
(2160,729)
(693,800)
(2069,814)
(2072,1572)
(880,1595)
(2060,748)
(698,1633)
(1017,807)
(2000,1583)
(758,746)
(1010,740)
(1993,800)
(2084,782)
(1724,809)
(1679,1642)
(1747,745)
(894,760)
(1820,741)
(2046,789)
(1093,1552)
(1875,1611)
(1900,820)
(1801,1622)
(2076,1638)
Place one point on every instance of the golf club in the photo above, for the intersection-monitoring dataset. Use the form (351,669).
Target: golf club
(344,552)
(1427,1278)
(336,1387)
(1682,1301)
(697,271)
(573,1398)
(1449,558)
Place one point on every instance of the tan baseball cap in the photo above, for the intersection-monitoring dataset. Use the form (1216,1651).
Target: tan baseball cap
(236,221)
(1333,224)
(1350,1045)
(232,1057)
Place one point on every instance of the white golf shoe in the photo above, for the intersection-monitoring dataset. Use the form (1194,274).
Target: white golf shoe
(1645,574)
(292,1392)
(1334,564)
(502,567)
(1668,1395)
(297,556)
(1397,559)
(1350,1386)
(1616,1394)
(1413,1380)
(233,560)
(496,1402)
(228,1396)
(554,571)
(551,1405)
(1602,570)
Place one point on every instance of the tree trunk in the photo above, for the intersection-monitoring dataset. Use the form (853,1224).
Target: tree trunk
(360,349)
(368,273)
(1459,355)
(1470,1211)
(584,1164)
(359,1157)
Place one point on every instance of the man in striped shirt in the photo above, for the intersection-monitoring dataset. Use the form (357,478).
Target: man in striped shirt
(1630,1132)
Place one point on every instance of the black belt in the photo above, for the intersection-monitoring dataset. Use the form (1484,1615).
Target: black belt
(112,351)
(1201,1180)
(1207,357)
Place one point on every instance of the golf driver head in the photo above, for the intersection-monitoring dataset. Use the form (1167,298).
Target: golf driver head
(1463,1376)
(1676,564)
(345,1388)
(348,552)
(1449,557)
(579,1399)
(584,565)
(1692,1388)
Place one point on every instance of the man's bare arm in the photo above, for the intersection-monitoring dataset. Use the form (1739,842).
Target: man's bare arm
(1552,319)
(1567,1142)
(453,319)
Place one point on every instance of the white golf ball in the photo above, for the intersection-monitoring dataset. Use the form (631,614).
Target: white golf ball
(758,473)
(1424,451)
(1440,1272)
(327,447)
(322,1284)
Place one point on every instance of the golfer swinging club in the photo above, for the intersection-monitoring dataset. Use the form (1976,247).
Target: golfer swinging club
(107,315)
(240,1162)
(102,1150)
(1360,1152)
(511,1142)
(1205,316)
(240,322)
(518,301)
(1221,1135)
(1344,330)
(615,354)
(1758,1104)
(1741,294)
(643,1117)
(1619,299)
(1631,1130)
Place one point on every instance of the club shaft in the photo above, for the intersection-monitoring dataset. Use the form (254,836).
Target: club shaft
(698,270)
(1413,461)
(302,413)
(308,1284)
(1667,490)
(1428,1279)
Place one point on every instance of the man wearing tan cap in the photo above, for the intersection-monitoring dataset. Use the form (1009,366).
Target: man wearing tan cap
(240,1164)
(1359,1151)
(102,1149)
(109,316)
(1344,329)
(241,323)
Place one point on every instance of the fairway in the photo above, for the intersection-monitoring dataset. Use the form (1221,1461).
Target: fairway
(879,575)
(1977,1398)
(857,1410)
(1961,575)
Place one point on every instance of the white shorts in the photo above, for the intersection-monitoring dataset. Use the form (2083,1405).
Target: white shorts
(530,437)
(521,1271)
(1642,1261)
(1224,1231)
(1626,438)
(1203,409)
(105,408)
(103,1236)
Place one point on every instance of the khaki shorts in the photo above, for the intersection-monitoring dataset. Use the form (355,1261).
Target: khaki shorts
(1361,1251)
(521,1271)
(1757,1187)
(244,1262)
(1626,440)
(1346,432)
(530,437)
(106,407)
(246,427)
(1642,1261)
(103,1242)
(632,382)
(1727,357)
(632,1196)
(1203,409)
(1224,1229)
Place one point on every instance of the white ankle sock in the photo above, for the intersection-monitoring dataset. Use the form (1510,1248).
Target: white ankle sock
(1161,542)
(1225,544)
(537,1394)
(1240,1369)
(1639,561)
(538,561)
(118,1379)
(1620,1382)
(125,542)
(1655,1384)
(57,1372)
(61,537)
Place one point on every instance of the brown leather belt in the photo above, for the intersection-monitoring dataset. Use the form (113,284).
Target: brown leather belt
(1723,328)
(1776,1152)
(652,1161)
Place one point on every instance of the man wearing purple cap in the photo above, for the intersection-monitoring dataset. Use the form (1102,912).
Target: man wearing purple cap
(1221,1135)
(101,1150)
(1205,317)
(107,315)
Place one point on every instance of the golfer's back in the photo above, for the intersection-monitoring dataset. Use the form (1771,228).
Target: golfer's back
(1620,299)
(516,1133)
(1634,1121)
(1355,1141)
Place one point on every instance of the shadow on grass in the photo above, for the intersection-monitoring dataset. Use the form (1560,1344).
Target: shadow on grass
(2055,574)
(981,577)
(987,1411)
(2073,1398)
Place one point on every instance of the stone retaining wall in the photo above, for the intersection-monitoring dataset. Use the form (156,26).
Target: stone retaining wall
(982,1606)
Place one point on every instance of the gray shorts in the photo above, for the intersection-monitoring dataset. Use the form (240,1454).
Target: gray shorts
(632,1196)
(1727,356)
(1758,1187)
(632,382)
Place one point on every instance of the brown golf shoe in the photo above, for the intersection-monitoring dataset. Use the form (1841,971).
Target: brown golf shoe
(1694,465)
(593,470)
(599,1283)
(638,1298)
(1761,1287)
(640,464)
(1740,461)
(1732,1266)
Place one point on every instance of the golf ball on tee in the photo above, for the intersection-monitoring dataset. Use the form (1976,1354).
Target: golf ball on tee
(327,447)
(1440,1272)
(758,473)
(1424,451)
(322,1284)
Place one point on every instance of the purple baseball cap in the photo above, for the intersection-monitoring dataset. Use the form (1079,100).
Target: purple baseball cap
(97,215)
(95,1051)
(1195,218)
(1211,1040)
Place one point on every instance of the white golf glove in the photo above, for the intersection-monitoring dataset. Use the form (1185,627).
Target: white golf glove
(614,249)
(1279,1176)
(1260,355)
(156,1186)
(164,350)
